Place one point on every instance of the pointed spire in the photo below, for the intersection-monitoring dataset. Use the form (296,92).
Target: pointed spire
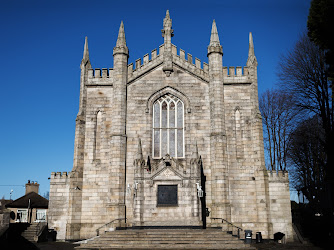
(251,54)
(214,39)
(251,45)
(139,155)
(121,47)
(121,42)
(85,57)
(86,52)
(214,45)
(167,14)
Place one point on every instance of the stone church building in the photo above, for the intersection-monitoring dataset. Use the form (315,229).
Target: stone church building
(169,141)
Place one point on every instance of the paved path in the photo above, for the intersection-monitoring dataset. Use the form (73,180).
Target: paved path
(70,246)
(262,246)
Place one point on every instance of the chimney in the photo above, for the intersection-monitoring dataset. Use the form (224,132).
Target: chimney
(32,187)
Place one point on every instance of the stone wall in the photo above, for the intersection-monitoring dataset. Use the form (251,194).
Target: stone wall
(97,196)
(280,206)
(59,203)
(4,220)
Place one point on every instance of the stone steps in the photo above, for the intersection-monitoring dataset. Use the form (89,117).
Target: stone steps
(166,239)
(30,233)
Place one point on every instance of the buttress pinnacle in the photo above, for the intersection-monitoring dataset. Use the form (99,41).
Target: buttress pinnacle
(121,42)
(214,46)
(251,54)
(214,39)
(86,52)
(195,153)
(139,155)
(121,47)
(85,57)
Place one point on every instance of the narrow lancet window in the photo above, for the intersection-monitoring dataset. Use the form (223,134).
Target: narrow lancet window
(98,136)
(168,127)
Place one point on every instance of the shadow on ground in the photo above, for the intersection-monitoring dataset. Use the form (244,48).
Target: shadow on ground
(288,246)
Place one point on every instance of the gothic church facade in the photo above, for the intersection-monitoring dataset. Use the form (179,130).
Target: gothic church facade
(166,142)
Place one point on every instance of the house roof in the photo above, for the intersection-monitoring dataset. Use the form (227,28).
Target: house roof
(36,201)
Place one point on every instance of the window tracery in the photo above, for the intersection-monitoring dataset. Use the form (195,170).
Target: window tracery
(168,127)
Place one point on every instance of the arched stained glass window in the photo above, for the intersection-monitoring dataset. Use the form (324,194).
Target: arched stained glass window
(168,127)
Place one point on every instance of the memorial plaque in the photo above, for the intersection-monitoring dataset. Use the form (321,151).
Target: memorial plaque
(167,195)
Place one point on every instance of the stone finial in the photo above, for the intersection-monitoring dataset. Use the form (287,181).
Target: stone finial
(214,39)
(139,155)
(167,33)
(195,153)
(85,57)
(167,26)
(214,45)
(167,15)
(121,47)
(86,52)
(121,42)
(251,54)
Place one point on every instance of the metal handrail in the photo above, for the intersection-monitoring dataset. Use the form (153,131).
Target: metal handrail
(107,224)
(39,228)
(239,228)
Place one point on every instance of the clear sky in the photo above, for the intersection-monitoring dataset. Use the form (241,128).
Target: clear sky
(41,46)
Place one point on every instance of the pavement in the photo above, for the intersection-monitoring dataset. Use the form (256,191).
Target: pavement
(259,246)
(70,246)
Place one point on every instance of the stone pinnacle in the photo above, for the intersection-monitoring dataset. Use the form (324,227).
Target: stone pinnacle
(86,52)
(251,45)
(214,39)
(139,152)
(251,54)
(167,14)
(121,42)
(195,153)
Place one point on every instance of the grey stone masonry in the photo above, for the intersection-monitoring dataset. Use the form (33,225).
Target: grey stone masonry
(145,130)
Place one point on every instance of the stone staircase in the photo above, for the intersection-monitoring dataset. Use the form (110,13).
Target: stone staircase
(166,239)
(30,233)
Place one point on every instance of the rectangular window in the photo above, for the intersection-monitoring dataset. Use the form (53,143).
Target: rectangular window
(41,215)
(167,195)
(22,215)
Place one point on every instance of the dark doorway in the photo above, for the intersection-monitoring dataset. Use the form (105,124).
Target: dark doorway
(203,199)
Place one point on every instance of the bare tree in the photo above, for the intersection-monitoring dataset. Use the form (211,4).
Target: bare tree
(279,118)
(307,156)
(303,74)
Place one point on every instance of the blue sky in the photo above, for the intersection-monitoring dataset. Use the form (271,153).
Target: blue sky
(41,48)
